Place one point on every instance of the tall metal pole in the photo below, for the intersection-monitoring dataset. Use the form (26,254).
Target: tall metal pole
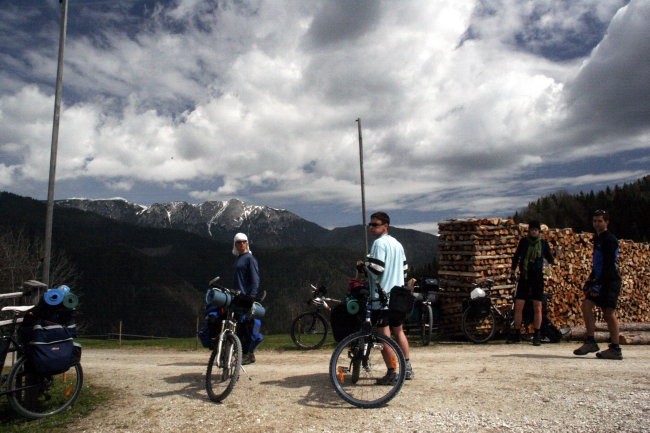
(47,253)
(363,188)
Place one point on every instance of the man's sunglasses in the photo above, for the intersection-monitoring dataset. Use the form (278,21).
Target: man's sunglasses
(600,212)
(375,224)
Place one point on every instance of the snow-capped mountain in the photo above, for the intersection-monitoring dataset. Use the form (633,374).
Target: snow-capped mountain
(218,220)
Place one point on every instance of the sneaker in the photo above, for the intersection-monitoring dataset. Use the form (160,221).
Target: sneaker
(537,341)
(586,348)
(248,358)
(409,371)
(389,379)
(611,353)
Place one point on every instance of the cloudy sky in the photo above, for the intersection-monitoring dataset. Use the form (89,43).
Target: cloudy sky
(467,108)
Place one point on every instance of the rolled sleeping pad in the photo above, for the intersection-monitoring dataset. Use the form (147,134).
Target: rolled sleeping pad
(352,306)
(218,297)
(70,300)
(257,311)
(53,297)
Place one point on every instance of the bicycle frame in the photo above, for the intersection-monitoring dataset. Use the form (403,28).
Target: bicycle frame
(228,326)
(321,301)
(9,341)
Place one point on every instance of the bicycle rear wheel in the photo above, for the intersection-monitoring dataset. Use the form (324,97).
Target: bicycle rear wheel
(223,369)
(309,330)
(356,365)
(479,324)
(426,324)
(39,396)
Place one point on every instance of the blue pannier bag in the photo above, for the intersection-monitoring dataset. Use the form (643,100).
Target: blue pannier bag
(50,348)
(210,327)
(256,335)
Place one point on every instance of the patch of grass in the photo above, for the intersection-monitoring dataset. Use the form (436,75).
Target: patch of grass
(279,342)
(90,398)
(270,342)
(162,343)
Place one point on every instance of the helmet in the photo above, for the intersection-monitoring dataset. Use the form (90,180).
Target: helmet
(477,293)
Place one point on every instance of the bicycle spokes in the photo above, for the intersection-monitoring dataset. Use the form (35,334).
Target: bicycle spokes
(357,365)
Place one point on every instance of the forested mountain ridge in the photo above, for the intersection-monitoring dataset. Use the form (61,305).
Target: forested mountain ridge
(153,280)
(628,206)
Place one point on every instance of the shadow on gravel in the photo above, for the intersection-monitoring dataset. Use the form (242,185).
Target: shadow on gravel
(538,356)
(193,386)
(185,364)
(320,393)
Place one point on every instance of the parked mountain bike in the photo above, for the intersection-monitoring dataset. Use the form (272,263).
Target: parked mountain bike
(483,317)
(358,362)
(422,320)
(309,330)
(224,365)
(31,394)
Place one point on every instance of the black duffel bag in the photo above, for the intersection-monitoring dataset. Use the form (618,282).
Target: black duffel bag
(401,299)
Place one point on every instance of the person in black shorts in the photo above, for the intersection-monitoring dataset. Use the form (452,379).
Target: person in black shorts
(602,290)
(386,268)
(531,252)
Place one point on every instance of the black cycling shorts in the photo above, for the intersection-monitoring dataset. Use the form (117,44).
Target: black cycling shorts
(608,295)
(530,288)
(383,318)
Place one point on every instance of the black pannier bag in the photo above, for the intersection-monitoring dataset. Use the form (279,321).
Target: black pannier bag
(401,300)
(344,323)
(347,317)
(49,347)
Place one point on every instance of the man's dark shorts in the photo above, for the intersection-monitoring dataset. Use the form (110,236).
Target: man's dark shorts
(608,297)
(383,318)
(530,288)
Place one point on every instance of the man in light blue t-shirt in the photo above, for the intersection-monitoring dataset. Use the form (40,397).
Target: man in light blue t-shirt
(386,265)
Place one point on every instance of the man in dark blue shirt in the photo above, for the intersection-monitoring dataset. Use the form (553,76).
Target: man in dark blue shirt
(602,289)
(247,281)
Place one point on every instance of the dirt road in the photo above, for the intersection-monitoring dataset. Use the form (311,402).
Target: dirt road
(457,388)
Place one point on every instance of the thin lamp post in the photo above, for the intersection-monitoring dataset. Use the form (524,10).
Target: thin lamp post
(363,191)
(47,253)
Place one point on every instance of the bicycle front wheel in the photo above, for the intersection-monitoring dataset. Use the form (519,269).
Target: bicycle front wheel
(223,369)
(37,396)
(426,324)
(479,324)
(309,330)
(358,364)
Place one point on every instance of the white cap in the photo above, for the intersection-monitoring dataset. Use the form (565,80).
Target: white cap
(477,293)
(238,237)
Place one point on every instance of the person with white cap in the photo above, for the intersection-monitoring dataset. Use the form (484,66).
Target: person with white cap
(247,281)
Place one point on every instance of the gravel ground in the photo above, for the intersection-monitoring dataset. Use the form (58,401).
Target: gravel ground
(457,388)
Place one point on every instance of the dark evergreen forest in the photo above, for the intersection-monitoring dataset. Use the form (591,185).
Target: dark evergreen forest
(628,206)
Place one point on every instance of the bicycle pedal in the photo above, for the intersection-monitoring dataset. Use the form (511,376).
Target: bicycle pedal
(340,373)
(378,346)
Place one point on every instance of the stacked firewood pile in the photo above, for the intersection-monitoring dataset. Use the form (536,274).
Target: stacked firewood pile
(471,250)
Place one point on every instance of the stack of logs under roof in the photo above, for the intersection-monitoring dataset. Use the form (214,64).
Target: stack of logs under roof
(471,250)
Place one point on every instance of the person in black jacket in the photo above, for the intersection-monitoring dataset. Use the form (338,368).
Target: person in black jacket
(529,257)
(602,289)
